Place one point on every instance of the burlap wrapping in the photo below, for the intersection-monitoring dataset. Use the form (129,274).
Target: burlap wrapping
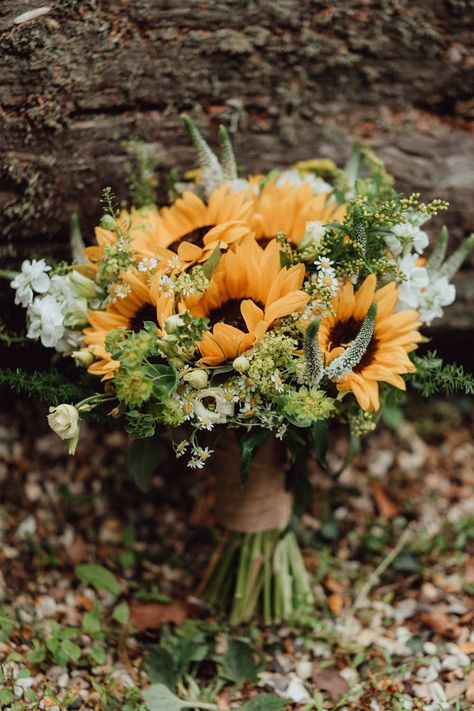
(262,504)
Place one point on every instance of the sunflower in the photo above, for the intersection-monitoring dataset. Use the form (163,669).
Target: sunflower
(246,294)
(192,229)
(287,208)
(139,304)
(395,335)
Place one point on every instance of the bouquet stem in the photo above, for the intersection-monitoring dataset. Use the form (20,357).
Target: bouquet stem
(258,573)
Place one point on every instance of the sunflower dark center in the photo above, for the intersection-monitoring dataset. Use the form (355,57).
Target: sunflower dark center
(146,313)
(344,332)
(229,313)
(194,237)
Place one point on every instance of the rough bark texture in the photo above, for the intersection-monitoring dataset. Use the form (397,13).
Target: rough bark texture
(298,78)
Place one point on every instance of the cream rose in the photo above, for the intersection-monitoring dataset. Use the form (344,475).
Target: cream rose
(64,420)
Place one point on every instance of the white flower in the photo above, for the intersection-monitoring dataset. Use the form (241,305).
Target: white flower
(277,382)
(294,177)
(434,297)
(73,305)
(314,233)
(32,278)
(147,264)
(64,421)
(205,423)
(82,285)
(406,237)
(416,279)
(328,279)
(325,265)
(223,408)
(46,321)
(166,285)
(174,263)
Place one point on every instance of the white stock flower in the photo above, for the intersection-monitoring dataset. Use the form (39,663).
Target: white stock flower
(416,279)
(434,297)
(46,321)
(405,237)
(294,177)
(64,421)
(223,408)
(32,278)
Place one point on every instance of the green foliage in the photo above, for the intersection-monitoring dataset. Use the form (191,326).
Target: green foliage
(249,443)
(144,456)
(99,577)
(168,662)
(434,377)
(140,425)
(264,702)
(9,337)
(50,386)
(159,698)
(140,174)
(239,663)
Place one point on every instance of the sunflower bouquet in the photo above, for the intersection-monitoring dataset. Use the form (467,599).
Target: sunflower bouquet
(237,324)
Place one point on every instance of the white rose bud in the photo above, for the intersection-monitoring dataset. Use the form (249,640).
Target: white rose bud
(83,357)
(196,378)
(172,323)
(84,286)
(241,364)
(64,420)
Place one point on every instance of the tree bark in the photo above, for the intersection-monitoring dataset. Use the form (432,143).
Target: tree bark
(292,79)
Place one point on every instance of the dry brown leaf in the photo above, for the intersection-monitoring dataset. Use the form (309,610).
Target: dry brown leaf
(467,647)
(441,623)
(331,681)
(336,603)
(77,552)
(152,615)
(387,507)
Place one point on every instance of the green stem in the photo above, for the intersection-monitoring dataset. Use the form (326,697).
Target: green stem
(236,614)
(8,274)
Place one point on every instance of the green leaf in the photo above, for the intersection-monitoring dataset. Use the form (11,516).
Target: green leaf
(91,623)
(98,654)
(160,667)
(165,379)
(71,649)
(264,702)
(211,264)
(406,562)
(159,698)
(6,697)
(144,456)
(121,613)
(99,577)
(320,440)
(249,443)
(239,663)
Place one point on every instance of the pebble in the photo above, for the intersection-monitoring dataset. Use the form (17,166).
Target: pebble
(296,691)
(304,669)
(27,528)
(430,648)
(63,680)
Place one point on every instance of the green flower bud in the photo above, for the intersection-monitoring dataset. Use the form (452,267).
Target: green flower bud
(108,222)
(241,364)
(196,378)
(84,286)
(83,357)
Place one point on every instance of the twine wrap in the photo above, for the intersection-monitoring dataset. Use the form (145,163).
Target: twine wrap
(262,504)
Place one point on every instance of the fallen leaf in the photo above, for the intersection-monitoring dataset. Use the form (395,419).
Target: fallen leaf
(335,603)
(152,615)
(77,552)
(441,623)
(467,647)
(387,507)
(331,681)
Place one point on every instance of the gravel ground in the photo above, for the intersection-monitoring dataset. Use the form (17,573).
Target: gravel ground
(390,547)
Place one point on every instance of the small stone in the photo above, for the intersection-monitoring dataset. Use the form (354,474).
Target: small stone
(296,691)
(430,648)
(63,680)
(33,491)
(27,528)
(429,591)
(470,692)
(304,668)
